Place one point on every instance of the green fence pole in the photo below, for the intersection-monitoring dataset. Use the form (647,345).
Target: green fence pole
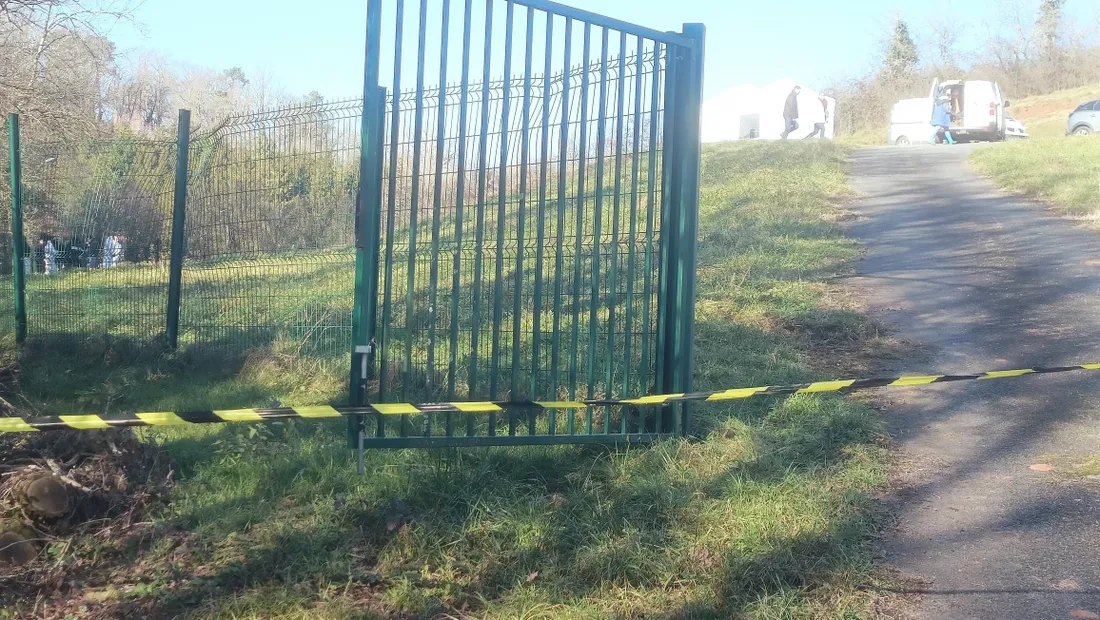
(689,159)
(369,208)
(179,213)
(18,251)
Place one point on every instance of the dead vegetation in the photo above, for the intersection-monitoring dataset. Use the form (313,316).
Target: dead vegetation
(62,494)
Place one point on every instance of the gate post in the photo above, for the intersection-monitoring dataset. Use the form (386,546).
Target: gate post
(18,251)
(368,211)
(179,214)
(685,90)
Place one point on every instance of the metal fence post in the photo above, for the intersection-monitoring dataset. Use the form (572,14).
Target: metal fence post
(689,159)
(179,213)
(369,199)
(18,251)
(679,231)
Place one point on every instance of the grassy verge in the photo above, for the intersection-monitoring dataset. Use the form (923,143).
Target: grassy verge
(1051,167)
(769,516)
(1062,171)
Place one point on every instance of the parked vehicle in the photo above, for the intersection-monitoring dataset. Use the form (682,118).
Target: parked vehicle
(1085,119)
(910,122)
(978,106)
(1014,129)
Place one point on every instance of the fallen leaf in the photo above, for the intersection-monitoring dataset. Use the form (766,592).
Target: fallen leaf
(1042,467)
(532,576)
(1083,614)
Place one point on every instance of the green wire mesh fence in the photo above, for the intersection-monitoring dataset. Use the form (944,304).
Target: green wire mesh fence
(96,222)
(269,255)
(530,229)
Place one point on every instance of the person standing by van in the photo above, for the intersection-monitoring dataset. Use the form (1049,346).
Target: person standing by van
(941,119)
(790,112)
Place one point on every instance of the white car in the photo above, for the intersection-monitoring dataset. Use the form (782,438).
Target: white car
(1014,129)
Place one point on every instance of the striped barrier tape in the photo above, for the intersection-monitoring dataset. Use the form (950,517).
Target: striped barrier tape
(167,418)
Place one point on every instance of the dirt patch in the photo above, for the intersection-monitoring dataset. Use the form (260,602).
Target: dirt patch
(1046,108)
(71,503)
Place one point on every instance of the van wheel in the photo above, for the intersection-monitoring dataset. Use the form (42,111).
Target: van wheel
(902,141)
(1082,131)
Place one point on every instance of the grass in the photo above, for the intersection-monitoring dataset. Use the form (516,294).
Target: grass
(1052,167)
(769,515)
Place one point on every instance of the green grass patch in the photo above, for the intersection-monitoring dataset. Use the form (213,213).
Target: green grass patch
(1063,171)
(769,515)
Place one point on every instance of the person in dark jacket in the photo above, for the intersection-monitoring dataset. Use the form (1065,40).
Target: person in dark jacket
(790,112)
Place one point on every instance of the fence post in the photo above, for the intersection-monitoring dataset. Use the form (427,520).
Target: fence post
(683,220)
(17,250)
(367,226)
(691,160)
(179,213)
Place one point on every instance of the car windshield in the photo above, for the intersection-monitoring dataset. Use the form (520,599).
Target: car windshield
(1087,106)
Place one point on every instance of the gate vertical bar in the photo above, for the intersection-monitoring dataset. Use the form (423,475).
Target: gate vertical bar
(460,199)
(369,192)
(17,249)
(179,215)
(578,232)
(521,215)
(636,126)
(502,214)
(540,236)
(437,203)
(613,291)
(559,246)
(670,180)
(482,165)
(651,205)
(597,232)
(414,205)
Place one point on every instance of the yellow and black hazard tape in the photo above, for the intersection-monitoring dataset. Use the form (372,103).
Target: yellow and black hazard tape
(167,418)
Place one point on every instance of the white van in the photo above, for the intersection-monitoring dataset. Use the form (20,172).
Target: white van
(977,104)
(911,122)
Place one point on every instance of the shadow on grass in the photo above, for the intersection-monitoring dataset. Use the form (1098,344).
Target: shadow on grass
(82,373)
(462,531)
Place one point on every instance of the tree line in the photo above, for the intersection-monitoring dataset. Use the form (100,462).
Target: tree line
(1029,47)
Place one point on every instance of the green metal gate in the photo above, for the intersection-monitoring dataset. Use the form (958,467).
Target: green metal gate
(526,226)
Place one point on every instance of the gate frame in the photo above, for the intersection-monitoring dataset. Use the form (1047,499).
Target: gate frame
(678,252)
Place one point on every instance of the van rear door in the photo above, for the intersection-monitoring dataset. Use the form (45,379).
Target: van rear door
(1002,113)
(980,106)
(932,96)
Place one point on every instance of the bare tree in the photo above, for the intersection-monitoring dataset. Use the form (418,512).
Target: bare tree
(56,60)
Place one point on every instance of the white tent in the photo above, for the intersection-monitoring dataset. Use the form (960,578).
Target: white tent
(747,111)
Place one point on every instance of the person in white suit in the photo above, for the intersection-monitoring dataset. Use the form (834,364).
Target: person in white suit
(49,257)
(112,251)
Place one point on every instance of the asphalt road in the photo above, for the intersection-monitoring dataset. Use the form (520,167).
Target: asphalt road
(988,282)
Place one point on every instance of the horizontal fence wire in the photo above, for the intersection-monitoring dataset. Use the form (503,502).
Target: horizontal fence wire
(97,223)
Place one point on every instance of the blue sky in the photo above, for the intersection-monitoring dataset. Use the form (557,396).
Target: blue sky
(318,45)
